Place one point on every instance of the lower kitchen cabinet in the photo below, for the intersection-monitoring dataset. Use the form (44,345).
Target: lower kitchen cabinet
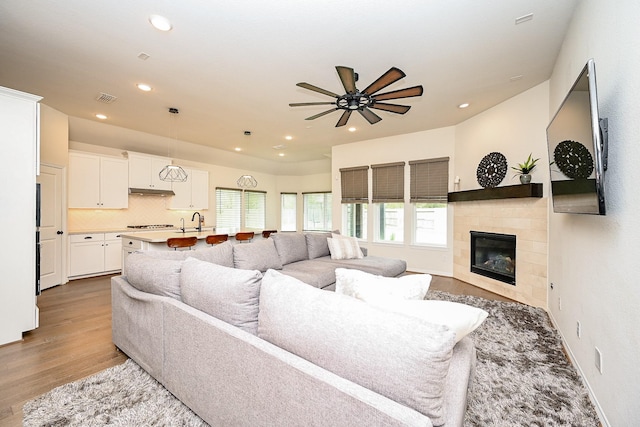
(94,253)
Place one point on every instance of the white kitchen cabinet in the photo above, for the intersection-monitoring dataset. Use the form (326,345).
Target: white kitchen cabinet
(193,193)
(98,182)
(144,171)
(94,253)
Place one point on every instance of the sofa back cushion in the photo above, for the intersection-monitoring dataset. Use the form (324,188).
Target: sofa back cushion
(317,245)
(291,247)
(258,255)
(154,275)
(228,294)
(403,358)
(221,254)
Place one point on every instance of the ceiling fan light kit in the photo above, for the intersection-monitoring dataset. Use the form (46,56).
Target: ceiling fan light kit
(362,101)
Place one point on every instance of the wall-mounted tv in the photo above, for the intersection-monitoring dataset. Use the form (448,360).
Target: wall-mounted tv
(577,142)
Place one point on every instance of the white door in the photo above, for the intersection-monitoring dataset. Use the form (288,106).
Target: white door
(51,230)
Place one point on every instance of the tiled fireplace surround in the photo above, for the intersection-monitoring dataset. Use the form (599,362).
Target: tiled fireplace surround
(526,218)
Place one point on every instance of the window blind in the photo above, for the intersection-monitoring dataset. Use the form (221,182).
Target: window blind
(354,183)
(228,208)
(255,209)
(429,180)
(388,182)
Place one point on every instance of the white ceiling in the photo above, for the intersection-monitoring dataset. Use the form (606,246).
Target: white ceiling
(231,66)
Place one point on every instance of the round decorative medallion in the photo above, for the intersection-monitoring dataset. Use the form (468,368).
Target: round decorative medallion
(573,159)
(492,170)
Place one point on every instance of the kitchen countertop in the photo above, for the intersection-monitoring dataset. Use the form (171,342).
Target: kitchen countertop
(163,235)
(127,230)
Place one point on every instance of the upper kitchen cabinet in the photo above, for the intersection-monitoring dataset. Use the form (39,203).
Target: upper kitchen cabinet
(98,182)
(144,171)
(193,193)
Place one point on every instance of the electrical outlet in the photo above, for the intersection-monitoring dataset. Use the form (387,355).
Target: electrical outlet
(598,360)
(578,329)
(560,303)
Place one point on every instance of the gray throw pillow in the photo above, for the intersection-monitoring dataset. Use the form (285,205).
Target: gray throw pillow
(228,294)
(291,247)
(317,245)
(401,357)
(153,275)
(259,255)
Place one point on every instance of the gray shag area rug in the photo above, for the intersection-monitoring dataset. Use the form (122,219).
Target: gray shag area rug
(522,378)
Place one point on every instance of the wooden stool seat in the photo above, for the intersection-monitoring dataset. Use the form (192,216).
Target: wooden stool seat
(214,239)
(244,236)
(181,242)
(267,233)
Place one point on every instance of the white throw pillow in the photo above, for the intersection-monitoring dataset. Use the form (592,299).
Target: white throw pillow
(460,318)
(344,247)
(369,287)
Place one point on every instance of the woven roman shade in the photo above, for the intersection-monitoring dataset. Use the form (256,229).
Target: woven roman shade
(429,180)
(388,182)
(354,184)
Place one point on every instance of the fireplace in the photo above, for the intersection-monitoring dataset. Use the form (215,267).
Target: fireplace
(494,255)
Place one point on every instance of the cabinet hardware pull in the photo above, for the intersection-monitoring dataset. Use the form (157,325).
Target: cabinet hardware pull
(88,238)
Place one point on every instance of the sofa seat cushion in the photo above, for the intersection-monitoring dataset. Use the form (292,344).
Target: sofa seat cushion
(229,294)
(388,267)
(316,274)
(401,357)
(154,275)
(258,255)
(291,247)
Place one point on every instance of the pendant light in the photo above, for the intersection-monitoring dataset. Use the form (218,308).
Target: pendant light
(173,173)
(247,181)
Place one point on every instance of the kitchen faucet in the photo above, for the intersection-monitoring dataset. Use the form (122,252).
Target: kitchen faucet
(182,228)
(199,227)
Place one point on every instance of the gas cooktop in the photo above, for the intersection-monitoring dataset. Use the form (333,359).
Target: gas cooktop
(151,226)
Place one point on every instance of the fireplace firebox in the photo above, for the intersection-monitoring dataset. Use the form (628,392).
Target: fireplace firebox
(494,255)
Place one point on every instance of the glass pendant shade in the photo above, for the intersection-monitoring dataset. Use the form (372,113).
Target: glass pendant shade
(173,173)
(247,181)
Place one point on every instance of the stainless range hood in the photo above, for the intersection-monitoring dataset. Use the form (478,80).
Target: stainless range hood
(151,192)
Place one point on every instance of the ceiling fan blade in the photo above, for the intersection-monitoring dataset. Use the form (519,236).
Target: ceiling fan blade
(348,78)
(393,108)
(317,89)
(369,115)
(302,104)
(344,118)
(321,114)
(402,93)
(393,75)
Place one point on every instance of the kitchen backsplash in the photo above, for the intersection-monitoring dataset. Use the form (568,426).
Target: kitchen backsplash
(142,210)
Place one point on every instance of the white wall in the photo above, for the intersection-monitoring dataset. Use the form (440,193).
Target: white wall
(413,146)
(592,259)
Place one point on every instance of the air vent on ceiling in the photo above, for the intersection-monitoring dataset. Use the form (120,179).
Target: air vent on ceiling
(279,147)
(143,56)
(106,98)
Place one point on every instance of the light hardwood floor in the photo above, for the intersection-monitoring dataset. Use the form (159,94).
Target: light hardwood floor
(74,341)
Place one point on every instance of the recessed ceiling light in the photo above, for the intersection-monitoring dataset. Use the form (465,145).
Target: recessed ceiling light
(281,154)
(143,87)
(288,137)
(160,23)
(463,105)
(351,129)
(238,149)
(101,116)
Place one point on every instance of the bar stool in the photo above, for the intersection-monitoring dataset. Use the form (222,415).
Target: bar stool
(181,242)
(267,233)
(214,239)
(244,236)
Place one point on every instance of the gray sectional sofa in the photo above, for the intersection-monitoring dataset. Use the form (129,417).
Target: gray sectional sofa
(241,346)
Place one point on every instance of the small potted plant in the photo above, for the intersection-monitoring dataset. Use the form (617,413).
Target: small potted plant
(524,169)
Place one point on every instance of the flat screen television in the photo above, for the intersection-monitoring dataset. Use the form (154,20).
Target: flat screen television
(577,143)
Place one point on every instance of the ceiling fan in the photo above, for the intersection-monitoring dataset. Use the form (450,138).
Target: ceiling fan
(362,101)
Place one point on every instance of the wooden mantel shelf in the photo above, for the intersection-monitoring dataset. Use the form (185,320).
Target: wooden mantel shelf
(506,192)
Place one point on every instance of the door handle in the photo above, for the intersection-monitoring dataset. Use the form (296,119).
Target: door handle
(59,232)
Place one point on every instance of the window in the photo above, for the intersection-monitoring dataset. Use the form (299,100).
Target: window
(317,211)
(228,209)
(354,184)
(288,211)
(388,199)
(428,191)
(255,209)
